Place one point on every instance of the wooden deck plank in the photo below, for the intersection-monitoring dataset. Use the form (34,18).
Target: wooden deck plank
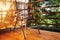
(31,34)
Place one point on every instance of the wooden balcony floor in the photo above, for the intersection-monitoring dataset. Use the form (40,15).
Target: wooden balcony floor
(31,34)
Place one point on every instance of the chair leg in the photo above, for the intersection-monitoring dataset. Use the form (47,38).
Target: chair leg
(24,33)
(38,30)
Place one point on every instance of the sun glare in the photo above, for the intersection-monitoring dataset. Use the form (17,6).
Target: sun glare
(5,12)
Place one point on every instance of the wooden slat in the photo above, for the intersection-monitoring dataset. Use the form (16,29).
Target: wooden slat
(50,6)
(31,13)
(41,18)
(32,3)
(49,24)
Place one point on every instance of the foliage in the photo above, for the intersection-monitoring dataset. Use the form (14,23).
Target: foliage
(44,18)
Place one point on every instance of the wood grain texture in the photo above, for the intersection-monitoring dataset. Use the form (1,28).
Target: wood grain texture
(31,34)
